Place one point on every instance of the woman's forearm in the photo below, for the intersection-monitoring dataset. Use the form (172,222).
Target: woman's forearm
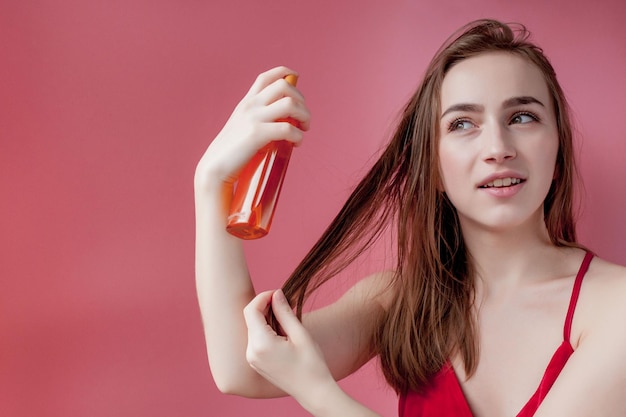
(332,401)
(223,288)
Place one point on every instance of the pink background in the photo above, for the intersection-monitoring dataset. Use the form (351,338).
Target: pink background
(105,108)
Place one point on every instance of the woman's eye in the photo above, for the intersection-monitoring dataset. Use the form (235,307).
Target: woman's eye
(523,118)
(460,125)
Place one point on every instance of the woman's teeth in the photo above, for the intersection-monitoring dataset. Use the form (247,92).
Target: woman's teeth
(502,182)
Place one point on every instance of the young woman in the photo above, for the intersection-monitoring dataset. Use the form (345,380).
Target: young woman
(492,308)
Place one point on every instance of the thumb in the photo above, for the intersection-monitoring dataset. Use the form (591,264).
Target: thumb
(286,317)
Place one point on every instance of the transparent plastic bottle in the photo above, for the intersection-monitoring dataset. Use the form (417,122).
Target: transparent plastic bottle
(258,187)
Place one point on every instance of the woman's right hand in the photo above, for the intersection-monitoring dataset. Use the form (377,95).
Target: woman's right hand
(255,122)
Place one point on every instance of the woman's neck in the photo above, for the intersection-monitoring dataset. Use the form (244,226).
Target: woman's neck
(508,259)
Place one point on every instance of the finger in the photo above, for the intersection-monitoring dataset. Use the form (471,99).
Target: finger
(288,108)
(255,312)
(268,132)
(277,90)
(268,77)
(263,341)
(287,318)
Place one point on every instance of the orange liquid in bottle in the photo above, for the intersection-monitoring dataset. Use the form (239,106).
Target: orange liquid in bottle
(258,188)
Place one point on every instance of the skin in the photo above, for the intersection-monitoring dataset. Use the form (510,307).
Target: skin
(524,298)
(521,302)
(488,129)
(223,283)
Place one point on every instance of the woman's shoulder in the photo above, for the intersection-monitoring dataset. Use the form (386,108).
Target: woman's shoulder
(599,343)
(602,302)
(604,278)
(606,283)
(378,287)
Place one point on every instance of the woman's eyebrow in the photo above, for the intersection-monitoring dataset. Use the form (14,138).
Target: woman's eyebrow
(516,101)
(477,108)
(464,107)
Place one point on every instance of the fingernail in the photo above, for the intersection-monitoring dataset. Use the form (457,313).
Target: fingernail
(280,296)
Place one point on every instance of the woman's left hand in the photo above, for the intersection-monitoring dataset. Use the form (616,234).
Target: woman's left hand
(294,362)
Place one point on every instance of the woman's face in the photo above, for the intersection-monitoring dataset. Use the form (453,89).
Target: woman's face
(498,141)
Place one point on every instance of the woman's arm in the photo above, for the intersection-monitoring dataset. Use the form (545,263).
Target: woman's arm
(343,330)
(223,284)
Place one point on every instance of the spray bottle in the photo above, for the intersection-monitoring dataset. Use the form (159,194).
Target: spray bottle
(258,187)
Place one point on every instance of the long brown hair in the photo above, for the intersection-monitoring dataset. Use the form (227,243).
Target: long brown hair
(430,317)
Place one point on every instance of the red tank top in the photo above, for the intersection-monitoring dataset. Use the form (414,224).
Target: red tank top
(443,396)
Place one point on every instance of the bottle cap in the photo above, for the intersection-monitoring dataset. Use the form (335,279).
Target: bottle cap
(292,79)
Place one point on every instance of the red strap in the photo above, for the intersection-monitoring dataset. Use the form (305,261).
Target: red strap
(575,292)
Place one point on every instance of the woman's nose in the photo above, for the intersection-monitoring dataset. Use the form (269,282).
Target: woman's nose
(498,144)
